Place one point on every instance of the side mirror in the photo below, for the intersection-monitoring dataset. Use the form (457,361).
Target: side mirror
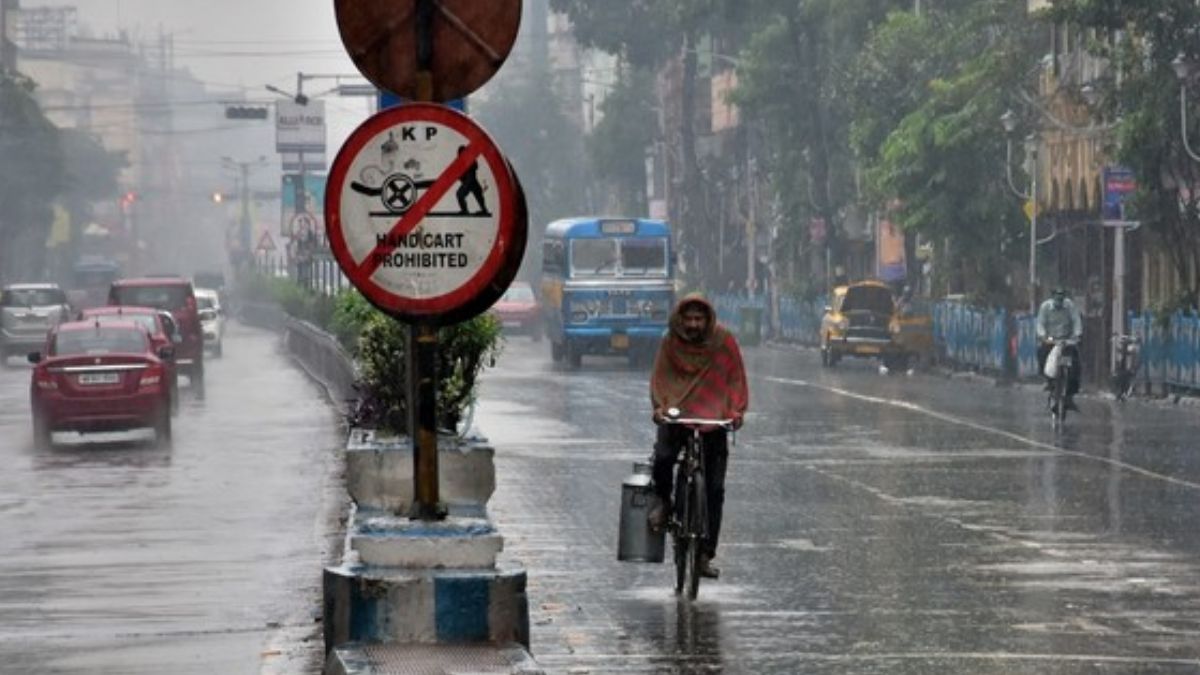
(34,357)
(166,353)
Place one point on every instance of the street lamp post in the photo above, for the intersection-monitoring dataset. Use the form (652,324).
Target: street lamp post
(1009,121)
(1184,69)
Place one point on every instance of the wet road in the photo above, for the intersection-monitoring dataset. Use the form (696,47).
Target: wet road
(873,525)
(203,557)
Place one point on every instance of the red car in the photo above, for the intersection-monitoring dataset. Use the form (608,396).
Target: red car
(518,311)
(175,295)
(158,324)
(99,377)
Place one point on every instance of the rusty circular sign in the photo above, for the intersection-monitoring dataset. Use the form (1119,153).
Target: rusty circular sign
(424,214)
(469,41)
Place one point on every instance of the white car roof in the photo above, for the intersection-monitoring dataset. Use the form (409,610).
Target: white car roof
(31,287)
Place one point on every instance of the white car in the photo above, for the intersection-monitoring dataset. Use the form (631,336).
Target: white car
(27,313)
(212,319)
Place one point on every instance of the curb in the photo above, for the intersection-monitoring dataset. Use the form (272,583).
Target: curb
(425,606)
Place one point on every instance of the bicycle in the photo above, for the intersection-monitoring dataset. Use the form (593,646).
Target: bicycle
(1061,361)
(689,518)
(1125,373)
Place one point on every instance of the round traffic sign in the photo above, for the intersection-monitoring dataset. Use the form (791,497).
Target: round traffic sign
(424,213)
(469,42)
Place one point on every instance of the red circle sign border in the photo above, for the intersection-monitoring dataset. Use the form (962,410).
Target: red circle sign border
(428,308)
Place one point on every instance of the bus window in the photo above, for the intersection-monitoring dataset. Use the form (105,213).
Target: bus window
(552,257)
(644,257)
(594,258)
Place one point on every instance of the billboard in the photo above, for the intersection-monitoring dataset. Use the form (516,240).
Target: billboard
(1119,186)
(310,217)
(300,128)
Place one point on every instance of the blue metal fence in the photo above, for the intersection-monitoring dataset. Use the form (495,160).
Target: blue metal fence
(797,321)
(1170,350)
(800,320)
(971,337)
(1026,345)
(980,338)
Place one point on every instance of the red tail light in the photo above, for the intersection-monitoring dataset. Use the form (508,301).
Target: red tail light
(44,380)
(151,377)
(191,305)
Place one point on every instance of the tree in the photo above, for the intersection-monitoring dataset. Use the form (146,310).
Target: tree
(931,140)
(793,83)
(31,175)
(617,146)
(1140,39)
(92,173)
(648,34)
(527,119)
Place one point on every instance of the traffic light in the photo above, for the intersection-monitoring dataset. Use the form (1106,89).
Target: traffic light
(245,112)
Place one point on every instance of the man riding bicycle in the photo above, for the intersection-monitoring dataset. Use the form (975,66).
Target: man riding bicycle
(1058,319)
(699,370)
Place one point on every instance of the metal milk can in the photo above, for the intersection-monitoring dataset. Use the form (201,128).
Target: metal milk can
(635,541)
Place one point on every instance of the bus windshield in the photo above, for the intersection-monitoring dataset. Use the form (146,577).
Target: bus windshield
(644,257)
(595,258)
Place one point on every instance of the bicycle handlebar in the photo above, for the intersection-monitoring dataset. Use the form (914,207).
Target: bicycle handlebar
(693,421)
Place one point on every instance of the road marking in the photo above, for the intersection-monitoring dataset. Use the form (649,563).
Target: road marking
(952,419)
(939,656)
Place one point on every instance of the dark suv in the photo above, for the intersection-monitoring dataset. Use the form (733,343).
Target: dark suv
(175,295)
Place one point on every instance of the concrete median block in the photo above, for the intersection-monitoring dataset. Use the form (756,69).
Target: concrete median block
(439,606)
(368,659)
(386,540)
(379,472)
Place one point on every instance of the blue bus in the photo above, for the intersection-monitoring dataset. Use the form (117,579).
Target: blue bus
(608,287)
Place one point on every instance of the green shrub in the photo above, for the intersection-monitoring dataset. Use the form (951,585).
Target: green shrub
(350,315)
(464,349)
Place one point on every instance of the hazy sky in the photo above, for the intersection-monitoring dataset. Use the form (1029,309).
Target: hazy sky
(241,44)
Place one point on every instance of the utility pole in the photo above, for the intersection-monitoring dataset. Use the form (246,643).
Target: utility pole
(8,50)
(243,169)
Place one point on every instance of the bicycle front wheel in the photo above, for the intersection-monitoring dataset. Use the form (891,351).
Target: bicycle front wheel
(696,527)
(1060,397)
(682,538)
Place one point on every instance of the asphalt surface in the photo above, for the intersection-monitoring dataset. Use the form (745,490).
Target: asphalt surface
(121,556)
(874,524)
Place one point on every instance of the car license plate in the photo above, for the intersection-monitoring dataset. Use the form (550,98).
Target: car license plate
(868,349)
(620,341)
(512,324)
(99,378)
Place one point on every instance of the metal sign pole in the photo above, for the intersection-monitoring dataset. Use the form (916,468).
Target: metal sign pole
(422,336)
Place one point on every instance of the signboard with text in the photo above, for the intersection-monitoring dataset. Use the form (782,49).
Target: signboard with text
(424,214)
(1119,186)
(300,128)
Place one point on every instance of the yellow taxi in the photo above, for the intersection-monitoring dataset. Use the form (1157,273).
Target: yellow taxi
(861,321)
